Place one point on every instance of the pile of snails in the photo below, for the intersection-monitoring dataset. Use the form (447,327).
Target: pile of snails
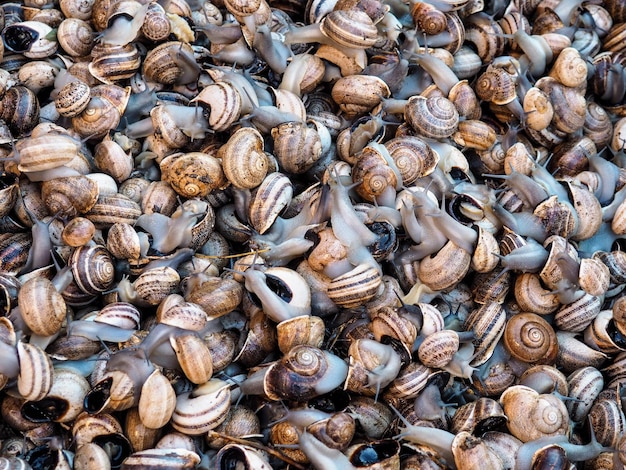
(332,234)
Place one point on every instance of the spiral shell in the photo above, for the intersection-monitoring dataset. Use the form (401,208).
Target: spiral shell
(434,117)
(156,25)
(569,68)
(496,86)
(350,28)
(93,269)
(304,373)
(532,415)
(413,157)
(75,37)
(243,160)
(530,338)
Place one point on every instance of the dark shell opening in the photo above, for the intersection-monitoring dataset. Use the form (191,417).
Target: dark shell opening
(117,446)
(46,410)
(98,397)
(375,452)
(18,38)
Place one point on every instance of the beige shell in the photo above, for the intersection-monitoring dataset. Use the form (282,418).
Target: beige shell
(42,307)
(204,409)
(538,108)
(225,103)
(243,159)
(532,415)
(193,356)
(296,146)
(456,261)
(36,372)
(271,197)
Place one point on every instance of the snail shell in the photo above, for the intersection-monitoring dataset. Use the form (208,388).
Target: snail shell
(496,86)
(538,108)
(202,409)
(42,307)
(373,366)
(216,296)
(111,63)
(76,37)
(532,415)
(73,98)
(413,157)
(569,68)
(305,329)
(304,373)
(585,385)
(438,349)
(243,159)
(193,356)
(45,152)
(269,200)
(350,28)
(530,338)
(355,287)
(457,262)
(36,375)
(296,146)
(225,103)
(156,25)
(170,63)
(428,18)
(377,174)
(357,94)
(488,325)
(93,268)
(434,117)
(531,296)
(64,401)
(70,195)
(193,174)
(607,420)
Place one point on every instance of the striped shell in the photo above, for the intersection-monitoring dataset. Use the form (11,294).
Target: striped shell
(434,117)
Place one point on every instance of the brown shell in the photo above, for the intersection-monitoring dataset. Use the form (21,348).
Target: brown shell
(496,86)
(434,117)
(165,64)
(357,94)
(299,375)
(530,338)
(70,195)
(428,18)
(413,157)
